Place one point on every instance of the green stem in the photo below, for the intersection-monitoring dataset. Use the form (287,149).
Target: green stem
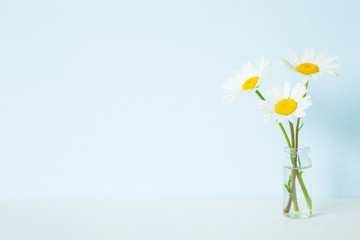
(302,185)
(299,176)
(297,173)
(286,136)
(259,94)
(294,165)
(297,134)
(292,135)
(306,85)
(303,188)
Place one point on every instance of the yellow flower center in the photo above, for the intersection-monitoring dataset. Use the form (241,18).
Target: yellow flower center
(250,83)
(307,68)
(285,106)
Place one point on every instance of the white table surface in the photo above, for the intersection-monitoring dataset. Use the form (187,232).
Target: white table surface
(176,219)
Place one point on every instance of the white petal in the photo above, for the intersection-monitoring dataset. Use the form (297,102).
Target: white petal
(262,66)
(330,72)
(299,113)
(319,58)
(268,116)
(286,90)
(304,58)
(304,103)
(263,105)
(311,56)
(278,92)
(328,60)
(305,79)
(279,118)
(294,57)
(298,92)
(287,64)
(335,65)
(270,96)
(291,118)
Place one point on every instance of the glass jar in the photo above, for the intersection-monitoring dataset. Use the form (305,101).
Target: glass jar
(297,183)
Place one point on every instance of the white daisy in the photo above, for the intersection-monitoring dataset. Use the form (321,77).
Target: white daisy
(282,104)
(310,65)
(247,80)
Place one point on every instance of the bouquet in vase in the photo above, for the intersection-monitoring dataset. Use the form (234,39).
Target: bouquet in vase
(286,105)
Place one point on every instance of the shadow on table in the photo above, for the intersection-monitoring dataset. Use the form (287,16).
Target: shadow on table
(335,206)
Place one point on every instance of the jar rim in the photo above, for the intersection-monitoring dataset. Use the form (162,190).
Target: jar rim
(300,148)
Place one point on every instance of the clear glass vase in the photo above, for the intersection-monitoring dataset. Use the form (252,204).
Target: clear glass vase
(297,183)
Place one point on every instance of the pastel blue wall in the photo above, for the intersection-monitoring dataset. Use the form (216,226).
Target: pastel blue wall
(121,99)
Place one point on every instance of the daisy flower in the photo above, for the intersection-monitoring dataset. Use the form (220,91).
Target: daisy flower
(247,80)
(283,104)
(310,65)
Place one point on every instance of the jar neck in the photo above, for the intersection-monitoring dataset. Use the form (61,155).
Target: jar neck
(300,150)
(297,157)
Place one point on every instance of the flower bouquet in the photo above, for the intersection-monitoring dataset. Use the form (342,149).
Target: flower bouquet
(287,104)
